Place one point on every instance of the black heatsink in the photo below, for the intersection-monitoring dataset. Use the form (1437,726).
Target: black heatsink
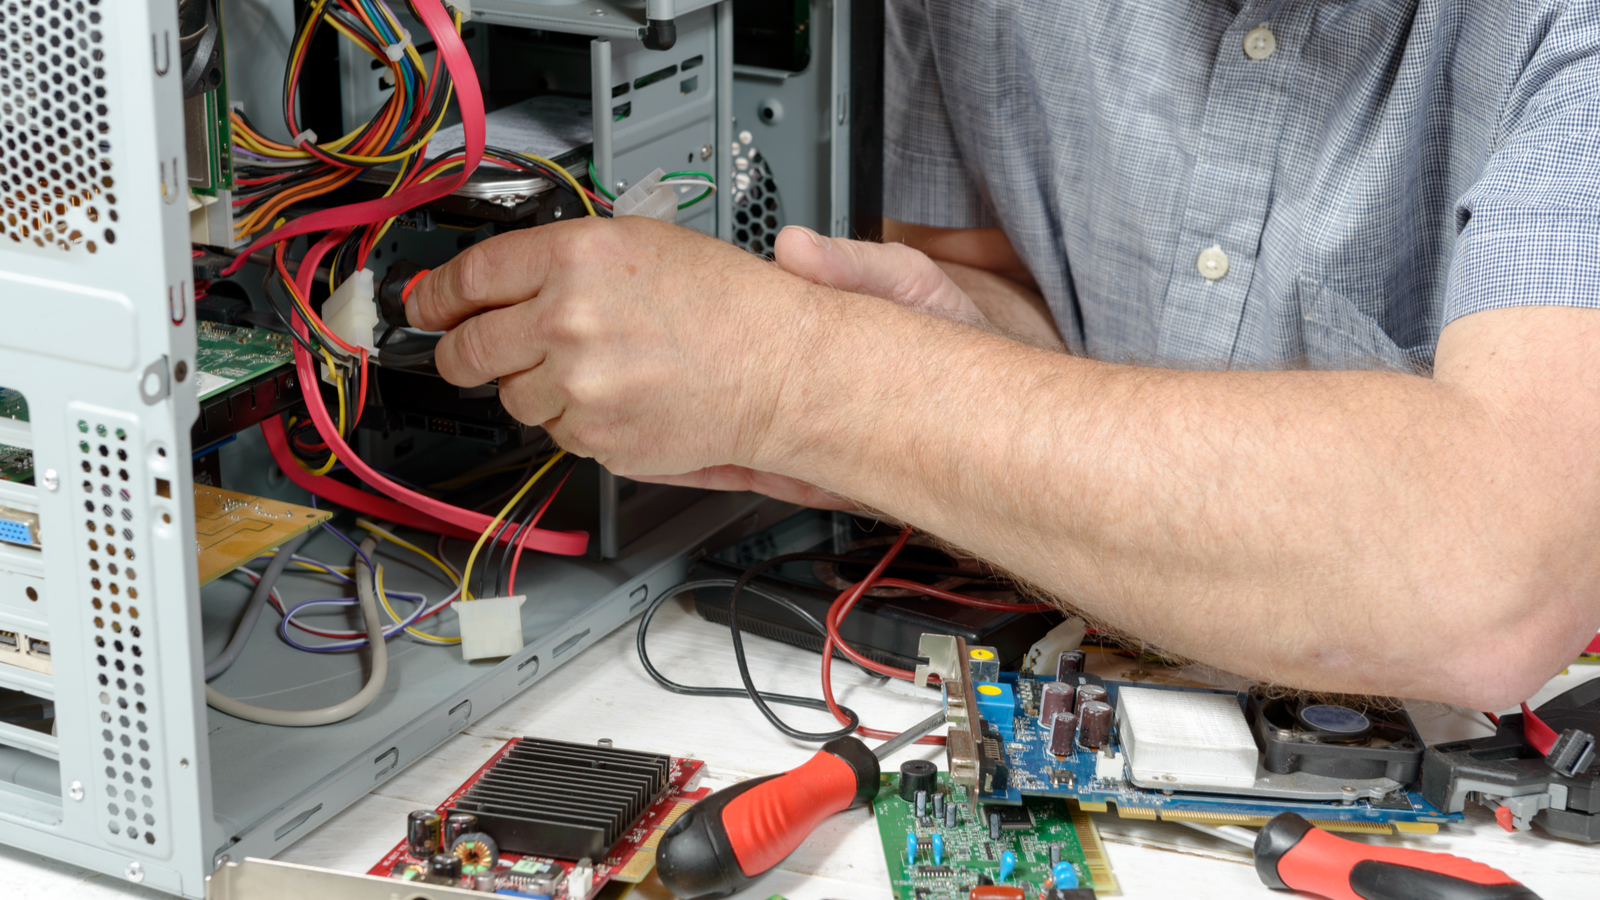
(563,800)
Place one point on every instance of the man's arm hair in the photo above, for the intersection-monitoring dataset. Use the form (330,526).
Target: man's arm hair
(982,262)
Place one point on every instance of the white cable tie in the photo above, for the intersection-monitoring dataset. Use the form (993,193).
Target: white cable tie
(398,49)
(305,136)
(237,106)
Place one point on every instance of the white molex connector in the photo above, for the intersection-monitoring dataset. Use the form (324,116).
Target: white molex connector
(1042,656)
(491,627)
(352,313)
(649,198)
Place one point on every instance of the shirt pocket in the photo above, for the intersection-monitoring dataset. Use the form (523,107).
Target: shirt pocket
(1340,336)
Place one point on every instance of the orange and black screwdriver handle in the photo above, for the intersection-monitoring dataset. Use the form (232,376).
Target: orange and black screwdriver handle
(730,838)
(1294,855)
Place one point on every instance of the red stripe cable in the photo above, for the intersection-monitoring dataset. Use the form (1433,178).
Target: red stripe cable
(469,97)
(511,582)
(1539,735)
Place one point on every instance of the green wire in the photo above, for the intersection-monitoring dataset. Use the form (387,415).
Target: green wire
(610,196)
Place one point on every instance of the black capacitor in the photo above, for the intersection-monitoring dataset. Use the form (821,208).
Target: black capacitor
(457,824)
(922,804)
(950,815)
(1094,724)
(1090,693)
(424,828)
(938,806)
(1055,697)
(1062,731)
(994,826)
(1070,663)
(445,866)
(917,775)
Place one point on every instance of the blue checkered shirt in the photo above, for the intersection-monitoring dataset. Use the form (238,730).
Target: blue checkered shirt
(1386,167)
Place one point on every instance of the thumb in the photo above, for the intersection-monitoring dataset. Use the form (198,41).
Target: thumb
(891,271)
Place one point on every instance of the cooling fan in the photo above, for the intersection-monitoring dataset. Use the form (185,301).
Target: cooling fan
(1343,738)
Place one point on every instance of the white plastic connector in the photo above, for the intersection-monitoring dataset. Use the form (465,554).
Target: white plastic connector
(351,313)
(1041,657)
(465,6)
(648,198)
(491,627)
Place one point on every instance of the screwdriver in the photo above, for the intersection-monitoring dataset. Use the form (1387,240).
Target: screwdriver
(729,839)
(1294,855)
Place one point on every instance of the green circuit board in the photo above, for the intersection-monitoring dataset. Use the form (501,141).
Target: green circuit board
(16,463)
(228,355)
(970,852)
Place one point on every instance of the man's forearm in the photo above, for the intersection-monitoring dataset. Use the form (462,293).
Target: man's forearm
(1291,526)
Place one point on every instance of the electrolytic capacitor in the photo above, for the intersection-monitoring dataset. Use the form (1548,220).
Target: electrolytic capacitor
(938,849)
(938,805)
(1094,724)
(994,826)
(457,824)
(1070,663)
(445,866)
(1054,698)
(1055,855)
(484,881)
(951,816)
(1062,731)
(911,847)
(922,803)
(1088,693)
(1008,865)
(424,833)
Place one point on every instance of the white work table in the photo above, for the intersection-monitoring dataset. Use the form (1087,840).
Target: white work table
(604,693)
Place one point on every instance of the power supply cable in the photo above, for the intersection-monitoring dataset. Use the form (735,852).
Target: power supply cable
(257,602)
(366,590)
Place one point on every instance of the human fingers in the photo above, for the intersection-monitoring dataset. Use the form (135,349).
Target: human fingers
(890,271)
(501,271)
(488,346)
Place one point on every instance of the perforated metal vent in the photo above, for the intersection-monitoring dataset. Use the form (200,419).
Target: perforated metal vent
(114,518)
(55,163)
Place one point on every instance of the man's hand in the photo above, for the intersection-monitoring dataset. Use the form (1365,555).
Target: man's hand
(890,271)
(652,348)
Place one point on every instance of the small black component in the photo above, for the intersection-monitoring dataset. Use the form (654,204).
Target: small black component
(395,288)
(423,833)
(935,871)
(444,866)
(1077,893)
(922,892)
(985,879)
(1572,752)
(225,303)
(1012,818)
(918,776)
(660,34)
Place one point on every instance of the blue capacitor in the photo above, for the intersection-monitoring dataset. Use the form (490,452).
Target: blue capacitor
(1066,876)
(938,850)
(911,847)
(1008,864)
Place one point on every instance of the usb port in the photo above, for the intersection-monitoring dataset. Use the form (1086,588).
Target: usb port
(8,641)
(38,647)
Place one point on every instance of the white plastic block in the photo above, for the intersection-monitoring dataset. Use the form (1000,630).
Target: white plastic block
(648,198)
(351,313)
(1042,656)
(1186,738)
(464,5)
(491,627)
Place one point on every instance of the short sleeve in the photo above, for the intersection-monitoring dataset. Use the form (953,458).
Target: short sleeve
(925,181)
(1529,229)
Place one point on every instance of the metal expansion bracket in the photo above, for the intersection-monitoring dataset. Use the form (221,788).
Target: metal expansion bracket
(266,879)
(947,659)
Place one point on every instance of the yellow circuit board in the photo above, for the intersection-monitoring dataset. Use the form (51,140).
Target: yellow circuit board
(230,529)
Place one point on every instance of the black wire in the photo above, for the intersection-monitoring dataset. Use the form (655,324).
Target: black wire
(749,690)
(554,479)
(266,289)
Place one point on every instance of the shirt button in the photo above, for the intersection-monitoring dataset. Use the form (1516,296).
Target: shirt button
(1213,263)
(1260,43)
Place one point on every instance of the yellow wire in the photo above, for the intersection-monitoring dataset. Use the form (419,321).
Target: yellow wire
(338,387)
(384,534)
(570,180)
(466,573)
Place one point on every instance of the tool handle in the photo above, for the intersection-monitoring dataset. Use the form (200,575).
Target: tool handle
(727,840)
(1293,854)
